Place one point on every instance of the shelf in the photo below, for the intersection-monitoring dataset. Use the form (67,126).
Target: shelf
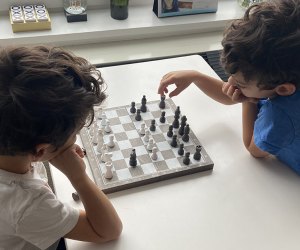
(142,23)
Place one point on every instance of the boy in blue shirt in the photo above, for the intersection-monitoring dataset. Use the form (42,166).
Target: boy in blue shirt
(261,52)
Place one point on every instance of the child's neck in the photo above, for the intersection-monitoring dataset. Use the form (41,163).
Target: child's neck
(15,164)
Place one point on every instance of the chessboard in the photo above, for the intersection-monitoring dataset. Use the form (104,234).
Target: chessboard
(120,127)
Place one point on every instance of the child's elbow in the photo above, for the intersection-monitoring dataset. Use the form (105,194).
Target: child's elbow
(113,234)
(257,153)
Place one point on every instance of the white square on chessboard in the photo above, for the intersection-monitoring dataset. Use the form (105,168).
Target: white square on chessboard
(173,163)
(125,119)
(157,131)
(123,174)
(111,114)
(117,155)
(137,124)
(153,107)
(169,112)
(132,134)
(148,168)
(162,146)
(141,150)
(147,116)
(117,128)
(124,144)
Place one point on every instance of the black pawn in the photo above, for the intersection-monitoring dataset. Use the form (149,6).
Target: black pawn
(186,159)
(181,129)
(162,118)
(132,159)
(174,141)
(132,109)
(186,136)
(181,149)
(183,120)
(176,122)
(138,116)
(162,103)
(177,112)
(170,132)
(144,107)
(152,126)
(197,155)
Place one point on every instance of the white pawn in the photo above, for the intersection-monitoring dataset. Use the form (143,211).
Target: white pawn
(100,140)
(93,128)
(150,144)
(111,142)
(147,135)
(99,113)
(142,129)
(106,157)
(103,120)
(108,174)
(107,128)
(154,154)
(95,137)
(104,149)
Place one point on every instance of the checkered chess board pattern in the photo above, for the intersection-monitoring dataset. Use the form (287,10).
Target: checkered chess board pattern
(126,135)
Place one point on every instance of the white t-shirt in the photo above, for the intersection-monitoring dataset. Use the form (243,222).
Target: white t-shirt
(31,217)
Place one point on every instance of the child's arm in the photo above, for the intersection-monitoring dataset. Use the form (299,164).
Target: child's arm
(99,222)
(182,79)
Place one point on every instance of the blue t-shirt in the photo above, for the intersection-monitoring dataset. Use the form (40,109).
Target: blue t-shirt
(277,128)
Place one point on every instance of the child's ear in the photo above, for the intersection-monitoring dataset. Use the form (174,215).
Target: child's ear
(285,89)
(41,150)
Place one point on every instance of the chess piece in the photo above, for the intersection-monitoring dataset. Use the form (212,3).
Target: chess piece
(181,149)
(99,113)
(95,137)
(143,106)
(132,109)
(186,136)
(176,122)
(107,128)
(111,142)
(147,136)
(154,154)
(174,141)
(142,129)
(162,103)
(177,112)
(183,120)
(181,129)
(104,149)
(186,159)
(100,140)
(162,118)
(132,159)
(105,157)
(152,126)
(108,174)
(197,155)
(170,131)
(138,116)
(103,120)
(150,145)
(93,129)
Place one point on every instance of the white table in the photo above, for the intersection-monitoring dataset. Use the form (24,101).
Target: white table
(243,204)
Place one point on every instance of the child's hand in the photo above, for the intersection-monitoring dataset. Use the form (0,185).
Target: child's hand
(70,162)
(236,94)
(182,79)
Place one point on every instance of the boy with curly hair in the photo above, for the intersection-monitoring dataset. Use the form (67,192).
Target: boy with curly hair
(261,52)
(46,96)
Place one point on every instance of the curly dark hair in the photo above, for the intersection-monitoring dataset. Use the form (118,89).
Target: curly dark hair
(265,44)
(46,94)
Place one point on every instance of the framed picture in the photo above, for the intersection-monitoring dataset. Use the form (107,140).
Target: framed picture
(167,8)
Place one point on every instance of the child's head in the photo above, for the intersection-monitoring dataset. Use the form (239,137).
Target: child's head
(264,46)
(46,94)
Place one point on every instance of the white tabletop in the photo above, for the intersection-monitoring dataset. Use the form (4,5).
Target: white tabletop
(244,203)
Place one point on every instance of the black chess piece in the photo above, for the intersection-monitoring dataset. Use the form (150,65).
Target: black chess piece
(197,155)
(132,159)
(177,112)
(186,136)
(186,159)
(162,118)
(143,106)
(138,116)
(162,103)
(152,126)
(176,122)
(170,131)
(181,129)
(174,141)
(181,149)
(132,109)
(183,120)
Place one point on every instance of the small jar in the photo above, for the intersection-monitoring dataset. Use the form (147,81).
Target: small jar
(75,7)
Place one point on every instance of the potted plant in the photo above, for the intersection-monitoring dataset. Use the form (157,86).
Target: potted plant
(119,9)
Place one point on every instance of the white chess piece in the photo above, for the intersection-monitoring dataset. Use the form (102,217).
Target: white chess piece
(93,128)
(104,149)
(99,113)
(111,142)
(95,137)
(154,154)
(142,129)
(106,157)
(150,144)
(147,135)
(108,174)
(107,128)
(103,120)
(100,140)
